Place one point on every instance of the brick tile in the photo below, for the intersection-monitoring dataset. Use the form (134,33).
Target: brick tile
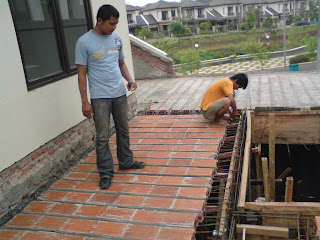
(183,130)
(90,159)
(22,220)
(206,148)
(150,141)
(52,223)
(174,135)
(181,218)
(141,231)
(142,147)
(159,154)
(49,236)
(123,178)
(77,176)
(197,181)
(38,207)
(154,135)
(204,163)
(138,189)
(180,162)
(54,195)
(130,200)
(151,170)
(141,154)
(209,141)
(110,228)
(203,155)
(189,141)
(93,177)
(104,198)
(184,148)
(90,211)
(66,184)
(9,234)
(200,171)
(85,167)
(119,213)
(164,190)
(193,192)
(156,161)
(157,202)
(176,234)
(164,147)
(146,179)
(78,197)
(181,155)
(160,130)
(91,186)
(64,208)
(181,125)
(80,225)
(169,141)
(170,180)
(189,204)
(116,187)
(175,170)
(149,216)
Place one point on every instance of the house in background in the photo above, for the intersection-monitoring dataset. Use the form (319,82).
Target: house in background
(42,127)
(223,12)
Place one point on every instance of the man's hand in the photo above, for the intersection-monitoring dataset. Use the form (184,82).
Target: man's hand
(132,86)
(87,110)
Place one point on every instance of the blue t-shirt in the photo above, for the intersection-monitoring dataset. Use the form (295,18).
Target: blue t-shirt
(101,55)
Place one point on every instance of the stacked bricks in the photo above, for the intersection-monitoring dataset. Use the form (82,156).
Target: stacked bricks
(164,65)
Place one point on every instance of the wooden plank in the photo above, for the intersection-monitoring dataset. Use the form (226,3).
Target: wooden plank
(245,165)
(266,179)
(289,189)
(259,230)
(272,153)
(259,170)
(290,127)
(312,208)
(285,173)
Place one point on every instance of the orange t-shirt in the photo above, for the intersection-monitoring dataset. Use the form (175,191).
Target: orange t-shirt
(216,91)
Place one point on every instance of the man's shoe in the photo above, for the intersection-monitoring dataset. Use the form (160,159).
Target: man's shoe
(135,165)
(105,183)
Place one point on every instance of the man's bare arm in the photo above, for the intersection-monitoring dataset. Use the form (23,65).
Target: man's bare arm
(125,73)
(233,105)
(82,82)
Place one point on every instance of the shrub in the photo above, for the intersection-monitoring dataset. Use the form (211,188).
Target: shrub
(190,62)
(300,59)
(205,27)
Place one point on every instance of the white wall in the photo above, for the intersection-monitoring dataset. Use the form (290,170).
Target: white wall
(29,119)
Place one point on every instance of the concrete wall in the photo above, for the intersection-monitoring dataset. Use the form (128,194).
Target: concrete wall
(32,121)
(150,62)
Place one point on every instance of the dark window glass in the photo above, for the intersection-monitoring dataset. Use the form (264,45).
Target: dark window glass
(47,31)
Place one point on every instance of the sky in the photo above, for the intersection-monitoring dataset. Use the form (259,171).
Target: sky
(141,3)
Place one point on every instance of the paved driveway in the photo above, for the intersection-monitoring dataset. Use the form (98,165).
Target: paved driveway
(274,89)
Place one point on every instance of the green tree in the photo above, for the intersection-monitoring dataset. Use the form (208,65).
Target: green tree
(311,44)
(251,20)
(178,28)
(297,19)
(232,26)
(144,33)
(159,36)
(257,49)
(205,27)
(190,62)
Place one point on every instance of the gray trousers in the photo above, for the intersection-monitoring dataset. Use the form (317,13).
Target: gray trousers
(102,108)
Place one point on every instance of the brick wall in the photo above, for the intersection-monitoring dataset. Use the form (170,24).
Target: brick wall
(150,62)
(24,177)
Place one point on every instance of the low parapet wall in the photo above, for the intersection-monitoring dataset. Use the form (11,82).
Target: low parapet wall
(150,62)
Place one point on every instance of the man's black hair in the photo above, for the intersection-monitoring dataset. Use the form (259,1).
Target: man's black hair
(241,79)
(107,11)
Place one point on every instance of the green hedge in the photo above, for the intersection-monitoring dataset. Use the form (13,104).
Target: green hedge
(300,59)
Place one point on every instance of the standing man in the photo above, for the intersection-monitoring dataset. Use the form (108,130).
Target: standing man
(219,98)
(99,55)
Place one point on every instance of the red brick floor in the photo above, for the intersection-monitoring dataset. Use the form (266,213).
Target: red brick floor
(165,200)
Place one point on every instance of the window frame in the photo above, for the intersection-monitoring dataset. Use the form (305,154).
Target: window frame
(66,70)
